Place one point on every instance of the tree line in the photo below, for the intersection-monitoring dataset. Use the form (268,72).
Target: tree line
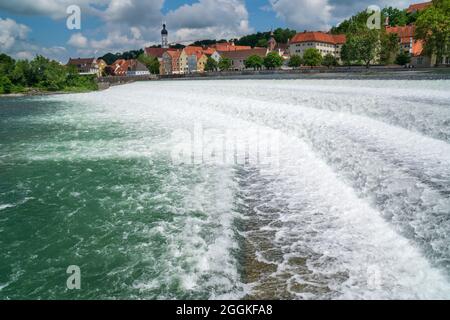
(366,46)
(41,74)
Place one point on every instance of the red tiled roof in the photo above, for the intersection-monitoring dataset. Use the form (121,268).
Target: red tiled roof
(406,34)
(135,65)
(174,54)
(190,50)
(119,68)
(81,61)
(244,54)
(155,52)
(226,46)
(419,6)
(209,51)
(319,37)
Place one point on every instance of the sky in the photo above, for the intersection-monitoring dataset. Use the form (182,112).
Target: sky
(30,27)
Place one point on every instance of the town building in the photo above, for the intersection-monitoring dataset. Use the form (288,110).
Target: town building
(410,45)
(272,43)
(238,57)
(101,64)
(137,68)
(281,48)
(213,53)
(326,43)
(171,62)
(414,8)
(158,54)
(414,47)
(86,66)
(188,59)
(229,46)
(118,68)
(164,37)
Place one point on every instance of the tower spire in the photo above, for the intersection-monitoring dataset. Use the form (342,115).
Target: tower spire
(164,36)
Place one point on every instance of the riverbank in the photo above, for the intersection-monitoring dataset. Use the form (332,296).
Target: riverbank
(41,93)
(356,73)
(340,73)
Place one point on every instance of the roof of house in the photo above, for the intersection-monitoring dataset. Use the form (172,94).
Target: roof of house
(282,46)
(319,36)
(190,50)
(136,65)
(155,52)
(406,36)
(174,53)
(418,6)
(226,46)
(81,61)
(119,66)
(244,54)
(209,51)
(405,33)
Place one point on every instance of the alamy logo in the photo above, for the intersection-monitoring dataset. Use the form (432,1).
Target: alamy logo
(73,18)
(74,280)
(374,21)
(251,146)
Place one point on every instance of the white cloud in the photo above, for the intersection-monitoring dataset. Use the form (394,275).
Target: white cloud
(209,19)
(12,34)
(313,14)
(322,14)
(50,8)
(78,41)
(134,12)
(15,42)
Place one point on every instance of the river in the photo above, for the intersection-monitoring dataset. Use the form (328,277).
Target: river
(157,191)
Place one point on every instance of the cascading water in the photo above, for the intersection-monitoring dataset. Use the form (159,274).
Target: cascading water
(358,205)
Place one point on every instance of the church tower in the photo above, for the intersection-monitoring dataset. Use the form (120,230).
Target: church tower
(272,44)
(164,37)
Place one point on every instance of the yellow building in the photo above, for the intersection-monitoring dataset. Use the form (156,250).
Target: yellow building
(188,59)
(101,64)
(201,62)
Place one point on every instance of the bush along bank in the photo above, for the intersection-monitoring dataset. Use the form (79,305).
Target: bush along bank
(41,75)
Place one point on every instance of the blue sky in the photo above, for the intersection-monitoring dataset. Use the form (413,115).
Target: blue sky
(30,27)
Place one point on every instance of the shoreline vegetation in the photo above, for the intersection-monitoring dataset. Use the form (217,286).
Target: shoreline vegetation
(41,76)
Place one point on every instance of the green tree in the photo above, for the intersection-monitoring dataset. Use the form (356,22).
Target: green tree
(41,73)
(353,25)
(403,58)
(296,61)
(273,61)
(396,16)
(211,65)
(20,75)
(329,61)
(368,46)
(312,57)
(6,85)
(151,63)
(262,43)
(389,47)
(255,62)
(6,64)
(361,48)
(225,64)
(260,39)
(433,27)
(349,52)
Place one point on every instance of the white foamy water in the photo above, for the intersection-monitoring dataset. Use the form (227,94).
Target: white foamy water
(358,208)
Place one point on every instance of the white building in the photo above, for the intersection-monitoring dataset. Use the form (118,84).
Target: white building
(324,42)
